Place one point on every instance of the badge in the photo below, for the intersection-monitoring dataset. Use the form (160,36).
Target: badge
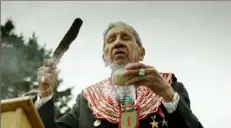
(97,123)
(164,123)
(154,123)
(129,119)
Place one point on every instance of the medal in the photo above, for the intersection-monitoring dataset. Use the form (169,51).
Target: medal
(129,119)
(164,123)
(154,123)
(129,116)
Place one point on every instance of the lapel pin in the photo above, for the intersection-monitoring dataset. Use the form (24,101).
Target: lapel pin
(97,123)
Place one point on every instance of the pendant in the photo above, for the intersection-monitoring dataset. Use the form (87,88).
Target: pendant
(126,101)
(129,119)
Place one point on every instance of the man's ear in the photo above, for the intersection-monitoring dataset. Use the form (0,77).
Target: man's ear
(105,60)
(142,54)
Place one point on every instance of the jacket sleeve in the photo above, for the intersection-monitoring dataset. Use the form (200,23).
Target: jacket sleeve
(69,120)
(183,116)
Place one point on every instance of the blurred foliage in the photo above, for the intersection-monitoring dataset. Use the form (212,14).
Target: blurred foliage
(20,61)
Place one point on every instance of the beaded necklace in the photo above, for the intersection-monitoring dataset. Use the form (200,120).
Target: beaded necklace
(126,94)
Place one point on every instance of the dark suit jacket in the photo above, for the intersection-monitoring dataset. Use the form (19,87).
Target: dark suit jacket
(81,116)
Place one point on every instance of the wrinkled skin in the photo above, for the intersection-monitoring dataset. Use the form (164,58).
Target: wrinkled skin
(121,48)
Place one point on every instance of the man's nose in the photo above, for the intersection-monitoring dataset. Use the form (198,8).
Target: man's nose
(119,43)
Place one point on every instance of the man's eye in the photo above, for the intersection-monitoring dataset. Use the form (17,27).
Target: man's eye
(111,39)
(125,37)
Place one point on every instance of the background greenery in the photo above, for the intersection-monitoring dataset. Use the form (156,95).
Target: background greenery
(20,61)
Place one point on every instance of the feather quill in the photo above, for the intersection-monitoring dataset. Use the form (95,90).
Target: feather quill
(69,37)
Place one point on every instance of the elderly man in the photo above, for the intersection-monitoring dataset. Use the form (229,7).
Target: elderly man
(144,97)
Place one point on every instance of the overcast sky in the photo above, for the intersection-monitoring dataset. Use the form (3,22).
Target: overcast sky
(190,39)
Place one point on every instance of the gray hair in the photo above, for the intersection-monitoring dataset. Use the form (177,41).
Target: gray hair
(119,23)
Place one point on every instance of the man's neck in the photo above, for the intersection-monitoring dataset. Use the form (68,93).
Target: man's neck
(115,67)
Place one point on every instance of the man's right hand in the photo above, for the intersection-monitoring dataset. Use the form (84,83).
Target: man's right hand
(47,78)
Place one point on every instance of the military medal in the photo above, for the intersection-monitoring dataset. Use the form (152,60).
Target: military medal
(129,119)
(154,123)
(164,123)
(128,114)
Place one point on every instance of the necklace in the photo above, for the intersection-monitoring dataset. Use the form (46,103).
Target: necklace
(126,91)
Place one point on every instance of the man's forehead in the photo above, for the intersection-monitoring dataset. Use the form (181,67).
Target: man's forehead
(119,29)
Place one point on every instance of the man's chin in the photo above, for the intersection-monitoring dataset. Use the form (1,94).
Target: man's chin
(120,62)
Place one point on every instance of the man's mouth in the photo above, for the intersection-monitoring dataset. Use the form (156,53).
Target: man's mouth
(119,53)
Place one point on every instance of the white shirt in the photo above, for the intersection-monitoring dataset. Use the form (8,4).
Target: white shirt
(39,102)
(172,106)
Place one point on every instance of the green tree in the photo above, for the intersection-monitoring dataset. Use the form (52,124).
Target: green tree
(20,61)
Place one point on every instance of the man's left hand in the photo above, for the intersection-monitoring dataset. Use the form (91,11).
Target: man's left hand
(151,79)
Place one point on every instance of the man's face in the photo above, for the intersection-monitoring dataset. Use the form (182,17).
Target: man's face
(121,47)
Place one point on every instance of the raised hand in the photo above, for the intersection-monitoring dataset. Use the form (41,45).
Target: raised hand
(47,78)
